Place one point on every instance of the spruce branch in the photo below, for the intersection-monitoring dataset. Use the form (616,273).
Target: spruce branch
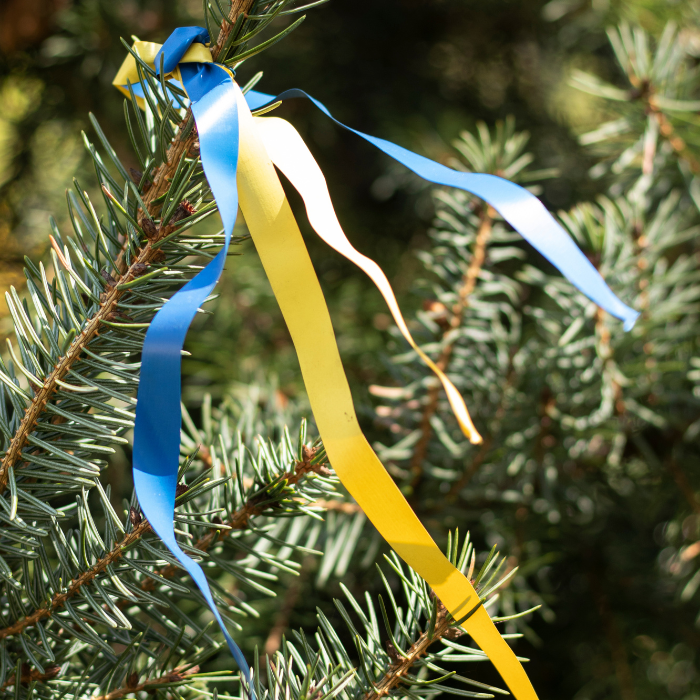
(86,578)
(31,675)
(151,685)
(291,597)
(469,281)
(645,91)
(161,180)
(444,628)
(239,520)
(256,505)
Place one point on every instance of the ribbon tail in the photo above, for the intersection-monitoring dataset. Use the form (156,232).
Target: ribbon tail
(520,208)
(290,154)
(294,282)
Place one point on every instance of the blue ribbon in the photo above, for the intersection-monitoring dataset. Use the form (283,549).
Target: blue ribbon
(212,92)
(213,95)
(521,209)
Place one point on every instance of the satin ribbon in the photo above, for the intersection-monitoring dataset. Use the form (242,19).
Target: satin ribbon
(294,282)
(215,106)
(520,208)
(220,111)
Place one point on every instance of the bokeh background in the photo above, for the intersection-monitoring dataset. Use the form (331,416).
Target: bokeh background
(417,72)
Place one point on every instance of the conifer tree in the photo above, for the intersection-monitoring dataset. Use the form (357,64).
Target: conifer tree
(584,479)
(587,473)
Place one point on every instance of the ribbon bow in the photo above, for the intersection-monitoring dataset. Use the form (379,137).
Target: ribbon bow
(238,153)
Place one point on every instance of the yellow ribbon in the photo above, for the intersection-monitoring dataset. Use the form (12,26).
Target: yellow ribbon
(147,50)
(286,261)
(290,154)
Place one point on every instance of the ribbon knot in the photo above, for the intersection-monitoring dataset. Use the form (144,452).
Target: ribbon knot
(184,45)
(237,153)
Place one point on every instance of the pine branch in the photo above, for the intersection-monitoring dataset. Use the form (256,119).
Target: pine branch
(444,628)
(76,584)
(161,182)
(645,91)
(469,283)
(177,675)
(31,675)
(240,519)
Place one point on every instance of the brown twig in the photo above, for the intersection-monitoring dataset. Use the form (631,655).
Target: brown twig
(29,675)
(76,584)
(402,665)
(133,686)
(605,352)
(161,182)
(238,521)
(644,90)
(468,284)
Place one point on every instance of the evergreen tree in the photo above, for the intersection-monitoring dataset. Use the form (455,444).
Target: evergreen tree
(584,480)
(586,476)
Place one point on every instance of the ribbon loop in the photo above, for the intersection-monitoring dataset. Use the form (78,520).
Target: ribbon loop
(177,45)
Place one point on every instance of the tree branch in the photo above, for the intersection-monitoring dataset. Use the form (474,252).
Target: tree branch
(161,182)
(252,508)
(133,686)
(402,665)
(87,577)
(238,521)
(468,285)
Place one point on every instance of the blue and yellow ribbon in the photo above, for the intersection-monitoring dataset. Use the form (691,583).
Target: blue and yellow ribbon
(239,153)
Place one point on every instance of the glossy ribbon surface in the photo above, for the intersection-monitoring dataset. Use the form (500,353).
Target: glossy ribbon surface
(215,106)
(521,209)
(225,124)
(290,271)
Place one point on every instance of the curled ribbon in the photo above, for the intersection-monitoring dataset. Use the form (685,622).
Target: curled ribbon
(239,153)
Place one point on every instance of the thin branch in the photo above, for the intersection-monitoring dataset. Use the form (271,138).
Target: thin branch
(31,675)
(238,521)
(644,91)
(161,182)
(402,665)
(87,577)
(177,675)
(468,285)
